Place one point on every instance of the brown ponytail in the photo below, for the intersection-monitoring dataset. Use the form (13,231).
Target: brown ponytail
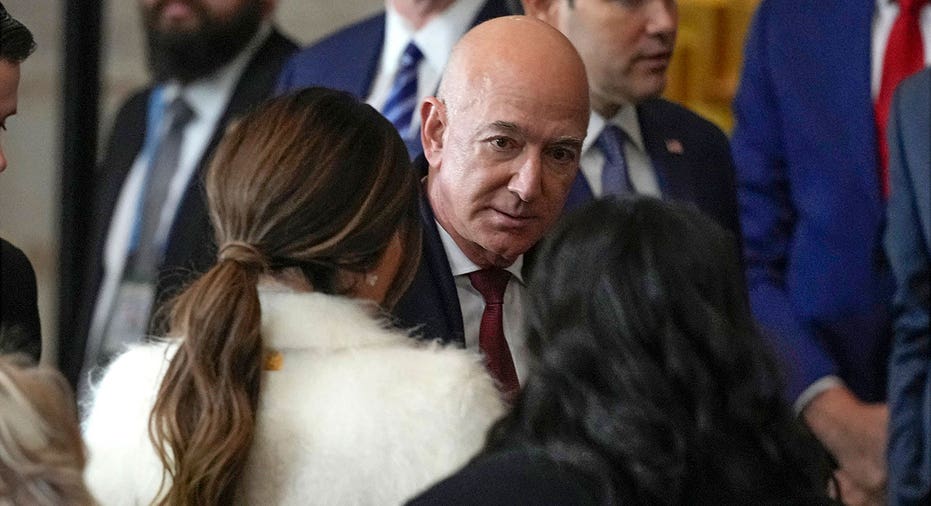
(314,180)
(211,386)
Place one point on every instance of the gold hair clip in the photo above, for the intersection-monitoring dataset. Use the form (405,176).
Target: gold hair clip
(274,360)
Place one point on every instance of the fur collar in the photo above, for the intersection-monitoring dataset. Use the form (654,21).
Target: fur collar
(314,320)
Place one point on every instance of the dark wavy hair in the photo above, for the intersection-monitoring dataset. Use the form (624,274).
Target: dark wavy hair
(649,376)
(16,42)
(315,180)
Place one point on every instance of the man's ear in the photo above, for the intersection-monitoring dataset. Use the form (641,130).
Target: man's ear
(544,10)
(433,129)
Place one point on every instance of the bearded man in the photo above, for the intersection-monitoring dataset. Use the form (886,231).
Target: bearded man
(211,60)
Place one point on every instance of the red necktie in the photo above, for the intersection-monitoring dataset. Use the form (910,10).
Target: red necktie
(491,283)
(904,56)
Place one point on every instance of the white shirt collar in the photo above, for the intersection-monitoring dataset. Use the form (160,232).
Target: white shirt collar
(460,264)
(626,118)
(435,39)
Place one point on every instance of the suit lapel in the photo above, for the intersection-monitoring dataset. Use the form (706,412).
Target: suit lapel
(187,242)
(666,151)
(917,122)
(431,302)
(356,71)
(579,194)
(835,92)
(434,258)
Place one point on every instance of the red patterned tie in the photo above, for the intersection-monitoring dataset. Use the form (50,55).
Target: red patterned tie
(904,56)
(491,283)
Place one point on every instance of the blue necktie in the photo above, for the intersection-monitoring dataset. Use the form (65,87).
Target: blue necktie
(614,177)
(147,254)
(402,100)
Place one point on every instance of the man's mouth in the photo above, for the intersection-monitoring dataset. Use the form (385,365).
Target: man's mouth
(512,218)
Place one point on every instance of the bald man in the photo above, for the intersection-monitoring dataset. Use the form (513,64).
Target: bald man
(502,142)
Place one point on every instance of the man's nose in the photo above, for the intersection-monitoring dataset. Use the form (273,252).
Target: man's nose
(661,17)
(527,180)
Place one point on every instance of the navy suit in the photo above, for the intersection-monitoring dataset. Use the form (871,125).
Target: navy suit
(698,169)
(431,303)
(908,244)
(190,248)
(805,148)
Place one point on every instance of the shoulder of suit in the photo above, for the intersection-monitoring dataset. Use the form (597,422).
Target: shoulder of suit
(351,34)
(660,110)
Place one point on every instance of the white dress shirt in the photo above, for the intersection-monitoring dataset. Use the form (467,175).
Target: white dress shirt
(208,98)
(639,167)
(435,40)
(472,303)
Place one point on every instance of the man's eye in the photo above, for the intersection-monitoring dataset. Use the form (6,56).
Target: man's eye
(562,155)
(502,142)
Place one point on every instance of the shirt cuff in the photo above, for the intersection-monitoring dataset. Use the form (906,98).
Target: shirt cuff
(814,390)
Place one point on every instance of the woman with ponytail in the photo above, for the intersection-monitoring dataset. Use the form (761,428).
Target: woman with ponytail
(280,381)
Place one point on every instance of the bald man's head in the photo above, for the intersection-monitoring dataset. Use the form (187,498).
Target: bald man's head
(504,136)
(513,51)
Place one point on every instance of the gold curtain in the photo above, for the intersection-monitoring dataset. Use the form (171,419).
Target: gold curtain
(705,67)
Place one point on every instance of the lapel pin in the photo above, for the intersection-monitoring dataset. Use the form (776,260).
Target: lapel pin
(674,146)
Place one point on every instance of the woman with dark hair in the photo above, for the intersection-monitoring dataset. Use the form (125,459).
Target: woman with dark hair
(650,383)
(274,385)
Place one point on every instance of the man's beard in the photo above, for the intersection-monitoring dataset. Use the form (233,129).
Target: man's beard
(191,55)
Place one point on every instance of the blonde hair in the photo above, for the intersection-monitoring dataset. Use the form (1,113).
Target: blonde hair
(41,451)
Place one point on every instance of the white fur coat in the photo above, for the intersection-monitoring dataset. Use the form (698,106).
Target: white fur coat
(356,415)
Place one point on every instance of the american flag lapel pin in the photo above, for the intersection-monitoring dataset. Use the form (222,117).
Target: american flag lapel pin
(674,146)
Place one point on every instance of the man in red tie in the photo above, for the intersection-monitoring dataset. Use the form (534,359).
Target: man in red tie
(502,141)
(808,145)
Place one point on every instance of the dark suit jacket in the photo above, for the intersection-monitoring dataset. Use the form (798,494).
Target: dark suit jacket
(190,249)
(702,174)
(431,303)
(527,476)
(908,244)
(519,476)
(19,313)
(811,210)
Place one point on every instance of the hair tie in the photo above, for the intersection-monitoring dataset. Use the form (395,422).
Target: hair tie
(244,254)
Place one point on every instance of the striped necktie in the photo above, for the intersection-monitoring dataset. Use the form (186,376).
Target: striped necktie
(402,100)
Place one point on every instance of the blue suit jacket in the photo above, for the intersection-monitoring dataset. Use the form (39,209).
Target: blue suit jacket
(908,244)
(811,210)
(703,173)
(348,59)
